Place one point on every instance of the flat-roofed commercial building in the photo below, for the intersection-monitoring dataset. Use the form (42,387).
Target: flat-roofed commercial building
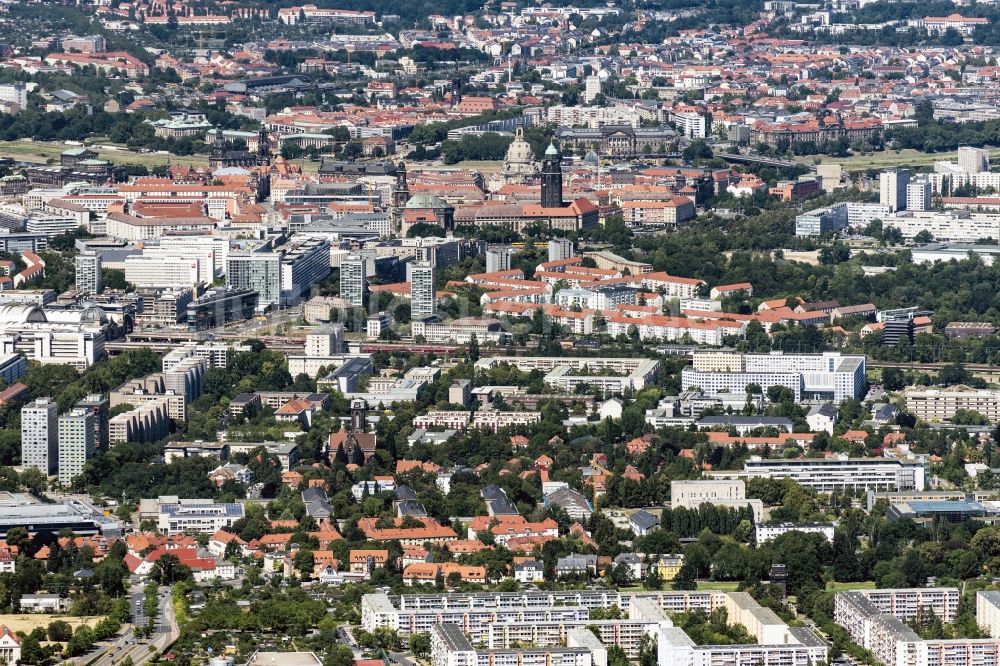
(827,377)
(828,474)
(207,516)
(939,404)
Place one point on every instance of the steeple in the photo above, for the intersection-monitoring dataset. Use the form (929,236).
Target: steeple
(552,194)
(401,192)
(218,157)
(263,148)
(400,195)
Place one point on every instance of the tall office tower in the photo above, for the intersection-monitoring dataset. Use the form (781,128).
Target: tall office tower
(552,185)
(257,271)
(892,188)
(39,436)
(99,406)
(918,194)
(88,273)
(302,266)
(973,160)
(560,248)
(422,303)
(354,280)
(498,259)
(592,88)
(76,443)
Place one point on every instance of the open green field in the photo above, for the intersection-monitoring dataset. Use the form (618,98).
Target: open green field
(482,166)
(888,158)
(43,151)
(38,151)
(27,622)
(721,585)
(839,587)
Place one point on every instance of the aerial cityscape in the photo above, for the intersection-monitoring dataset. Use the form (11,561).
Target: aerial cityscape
(503,333)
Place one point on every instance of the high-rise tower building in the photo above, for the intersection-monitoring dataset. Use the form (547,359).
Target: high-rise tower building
(552,194)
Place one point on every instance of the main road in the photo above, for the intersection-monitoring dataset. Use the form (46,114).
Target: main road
(165,632)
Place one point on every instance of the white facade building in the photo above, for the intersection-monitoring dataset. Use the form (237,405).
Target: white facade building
(892,188)
(76,443)
(162,271)
(39,436)
(422,300)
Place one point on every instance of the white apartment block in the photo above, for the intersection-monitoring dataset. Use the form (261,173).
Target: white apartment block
(828,474)
(939,404)
(499,621)
(422,298)
(162,271)
(76,443)
(918,194)
(203,257)
(494,420)
(621,373)
(460,331)
(39,436)
(627,634)
(973,160)
(671,329)
(892,188)
(862,214)
(875,622)
(826,377)
(14,93)
(354,280)
(442,419)
(955,226)
(88,273)
(592,116)
(765,533)
(691,124)
(451,647)
(905,603)
(988,612)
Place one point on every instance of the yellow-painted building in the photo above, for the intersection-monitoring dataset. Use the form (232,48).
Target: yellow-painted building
(668,566)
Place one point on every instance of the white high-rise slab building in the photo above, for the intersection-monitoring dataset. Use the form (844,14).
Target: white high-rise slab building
(39,436)
(76,443)
(973,160)
(918,194)
(88,273)
(423,303)
(354,280)
(892,188)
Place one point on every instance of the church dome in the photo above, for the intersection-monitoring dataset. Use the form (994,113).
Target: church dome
(520,151)
(424,200)
(520,158)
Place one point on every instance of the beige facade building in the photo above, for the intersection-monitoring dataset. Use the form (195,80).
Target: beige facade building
(938,404)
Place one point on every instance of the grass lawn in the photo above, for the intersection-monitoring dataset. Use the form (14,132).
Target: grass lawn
(888,158)
(863,585)
(41,152)
(481,166)
(721,585)
(27,622)
(38,151)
